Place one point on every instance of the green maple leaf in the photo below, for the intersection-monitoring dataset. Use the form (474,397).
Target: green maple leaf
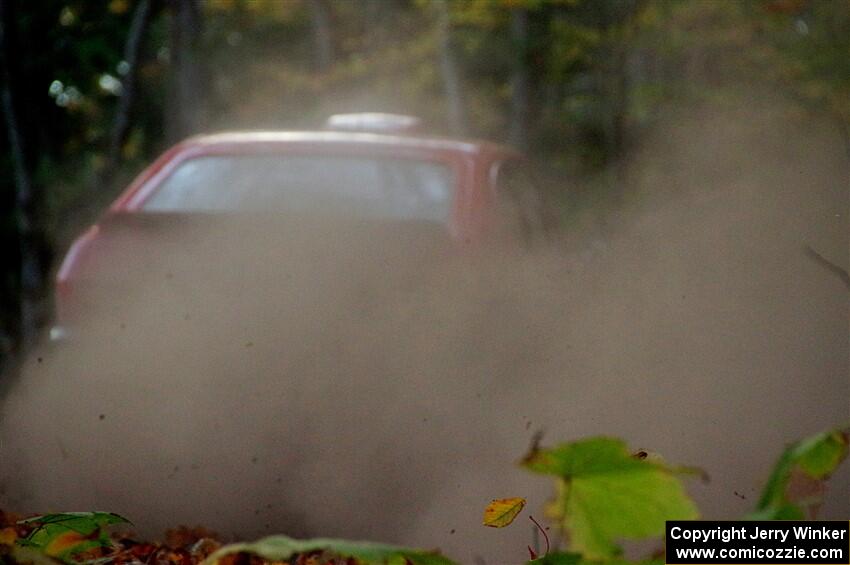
(605,494)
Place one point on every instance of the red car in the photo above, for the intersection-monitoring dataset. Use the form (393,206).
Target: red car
(364,166)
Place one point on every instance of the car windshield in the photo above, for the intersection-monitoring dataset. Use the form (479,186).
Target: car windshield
(371,186)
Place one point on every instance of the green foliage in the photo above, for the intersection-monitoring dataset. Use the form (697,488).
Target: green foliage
(279,548)
(605,494)
(65,534)
(809,43)
(812,459)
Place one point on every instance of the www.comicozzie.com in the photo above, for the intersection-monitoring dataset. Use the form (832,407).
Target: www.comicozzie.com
(694,542)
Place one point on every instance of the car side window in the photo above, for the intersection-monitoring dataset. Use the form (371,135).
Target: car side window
(519,200)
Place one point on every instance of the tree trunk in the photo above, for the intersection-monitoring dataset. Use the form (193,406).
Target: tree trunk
(449,72)
(518,132)
(121,123)
(844,131)
(29,272)
(184,115)
(618,90)
(323,49)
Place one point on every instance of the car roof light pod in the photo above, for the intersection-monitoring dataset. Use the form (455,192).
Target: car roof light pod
(376,122)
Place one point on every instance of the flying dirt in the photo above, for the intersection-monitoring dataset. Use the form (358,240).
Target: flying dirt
(315,381)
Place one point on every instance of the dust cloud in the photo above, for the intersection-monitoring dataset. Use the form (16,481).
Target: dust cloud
(312,379)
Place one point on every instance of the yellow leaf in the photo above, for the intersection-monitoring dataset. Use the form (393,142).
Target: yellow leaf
(8,536)
(501,512)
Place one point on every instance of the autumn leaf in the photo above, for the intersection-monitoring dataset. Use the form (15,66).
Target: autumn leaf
(501,512)
(67,533)
(8,536)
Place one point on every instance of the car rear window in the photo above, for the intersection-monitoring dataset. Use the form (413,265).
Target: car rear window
(379,187)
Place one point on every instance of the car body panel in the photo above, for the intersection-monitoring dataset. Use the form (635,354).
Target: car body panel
(472,163)
(470,160)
